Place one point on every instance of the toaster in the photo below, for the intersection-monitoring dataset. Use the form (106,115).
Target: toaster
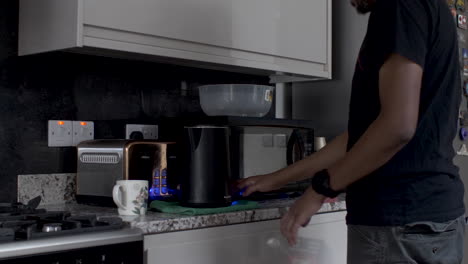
(103,162)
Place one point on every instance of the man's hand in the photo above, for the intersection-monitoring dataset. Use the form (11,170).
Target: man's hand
(262,183)
(300,213)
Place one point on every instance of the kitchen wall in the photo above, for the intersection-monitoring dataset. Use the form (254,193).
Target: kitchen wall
(69,86)
(326,102)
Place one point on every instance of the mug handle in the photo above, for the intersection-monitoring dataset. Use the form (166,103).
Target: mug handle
(116,194)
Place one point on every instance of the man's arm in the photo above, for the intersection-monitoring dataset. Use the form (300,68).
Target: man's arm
(318,161)
(399,90)
(306,168)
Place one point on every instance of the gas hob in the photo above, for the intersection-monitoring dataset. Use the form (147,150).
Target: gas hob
(18,225)
(31,235)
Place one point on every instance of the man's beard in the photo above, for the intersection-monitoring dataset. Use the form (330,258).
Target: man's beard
(364,7)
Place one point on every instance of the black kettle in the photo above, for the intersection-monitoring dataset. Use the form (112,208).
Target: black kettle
(205,167)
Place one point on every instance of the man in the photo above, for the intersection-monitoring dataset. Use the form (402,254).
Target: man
(404,194)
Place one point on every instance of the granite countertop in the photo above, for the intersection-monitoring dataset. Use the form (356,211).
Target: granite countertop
(154,222)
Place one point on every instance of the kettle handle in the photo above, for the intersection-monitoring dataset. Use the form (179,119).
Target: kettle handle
(194,138)
(294,139)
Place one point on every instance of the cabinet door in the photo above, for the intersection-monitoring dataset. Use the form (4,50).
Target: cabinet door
(230,249)
(295,29)
(323,241)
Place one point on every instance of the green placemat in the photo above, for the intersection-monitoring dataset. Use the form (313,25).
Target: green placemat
(175,208)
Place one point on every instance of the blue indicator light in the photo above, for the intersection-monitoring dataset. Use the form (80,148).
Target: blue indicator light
(154,193)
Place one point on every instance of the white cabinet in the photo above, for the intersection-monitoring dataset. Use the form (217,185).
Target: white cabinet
(265,36)
(323,241)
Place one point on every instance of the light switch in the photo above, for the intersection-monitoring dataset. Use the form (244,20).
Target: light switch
(267,141)
(59,133)
(82,131)
(281,140)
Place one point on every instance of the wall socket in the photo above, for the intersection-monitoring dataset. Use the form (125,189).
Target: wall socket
(60,133)
(82,131)
(135,131)
(66,133)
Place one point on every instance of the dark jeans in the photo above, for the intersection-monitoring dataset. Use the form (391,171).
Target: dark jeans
(420,242)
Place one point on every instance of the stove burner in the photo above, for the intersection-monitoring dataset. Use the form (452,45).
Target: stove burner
(51,228)
(51,224)
(17,209)
(7,234)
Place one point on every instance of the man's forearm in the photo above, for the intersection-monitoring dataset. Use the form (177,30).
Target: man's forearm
(377,146)
(330,154)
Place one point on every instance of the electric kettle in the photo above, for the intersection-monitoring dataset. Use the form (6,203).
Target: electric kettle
(205,167)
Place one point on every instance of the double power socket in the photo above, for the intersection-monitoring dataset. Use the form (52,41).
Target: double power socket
(66,133)
(136,131)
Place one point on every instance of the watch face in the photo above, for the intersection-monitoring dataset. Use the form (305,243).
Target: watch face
(326,182)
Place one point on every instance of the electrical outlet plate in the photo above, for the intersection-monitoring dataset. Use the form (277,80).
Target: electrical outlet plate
(148,131)
(267,141)
(281,140)
(59,133)
(82,131)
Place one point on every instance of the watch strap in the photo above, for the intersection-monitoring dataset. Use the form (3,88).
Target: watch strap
(321,184)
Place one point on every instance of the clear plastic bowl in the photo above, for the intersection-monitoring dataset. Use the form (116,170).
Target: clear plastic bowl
(236,99)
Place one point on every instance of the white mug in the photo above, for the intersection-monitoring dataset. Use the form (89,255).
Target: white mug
(131,196)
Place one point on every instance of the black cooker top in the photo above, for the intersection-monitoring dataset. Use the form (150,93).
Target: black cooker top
(24,222)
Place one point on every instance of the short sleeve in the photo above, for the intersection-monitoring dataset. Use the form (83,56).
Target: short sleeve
(401,27)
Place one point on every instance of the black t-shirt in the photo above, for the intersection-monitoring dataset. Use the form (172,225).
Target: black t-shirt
(420,182)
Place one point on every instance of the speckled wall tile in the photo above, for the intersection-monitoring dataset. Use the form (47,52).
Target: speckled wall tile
(53,188)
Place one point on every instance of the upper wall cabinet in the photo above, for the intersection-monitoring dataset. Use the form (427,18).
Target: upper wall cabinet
(274,37)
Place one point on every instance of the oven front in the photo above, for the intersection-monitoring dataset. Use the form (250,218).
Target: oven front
(112,247)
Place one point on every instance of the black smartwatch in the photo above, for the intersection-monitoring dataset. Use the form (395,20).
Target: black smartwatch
(321,184)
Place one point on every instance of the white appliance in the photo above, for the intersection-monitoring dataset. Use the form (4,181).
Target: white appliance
(257,150)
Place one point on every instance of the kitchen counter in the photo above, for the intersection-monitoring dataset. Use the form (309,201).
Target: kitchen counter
(154,222)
